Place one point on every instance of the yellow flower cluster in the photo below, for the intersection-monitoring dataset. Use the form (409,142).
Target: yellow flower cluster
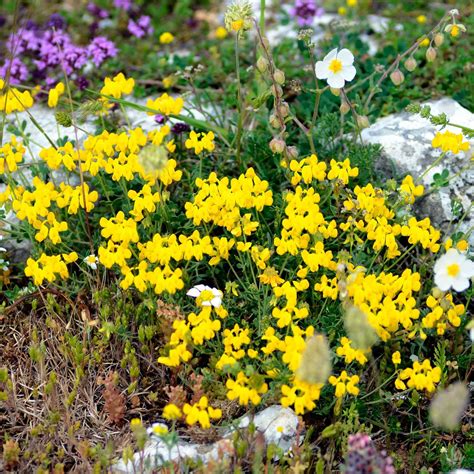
(219,201)
(201,412)
(200,141)
(13,100)
(409,190)
(49,267)
(421,377)
(387,300)
(371,215)
(246,389)
(36,206)
(349,353)
(443,312)
(11,154)
(165,105)
(345,384)
(449,141)
(54,94)
(118,86)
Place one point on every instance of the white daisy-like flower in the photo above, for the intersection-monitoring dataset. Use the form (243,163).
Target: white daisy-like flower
(453,270)
(157,429)
(206,296)
(91,261)
(336,68)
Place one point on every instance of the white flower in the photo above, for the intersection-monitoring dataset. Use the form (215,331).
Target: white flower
(336,68)
(206,295)
(454,270)
(91,261)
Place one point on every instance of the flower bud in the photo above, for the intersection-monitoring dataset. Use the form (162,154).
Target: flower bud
(344,107)
(277,91)
(336,92)
(274,122)
(277,145)
(362,121)
(430,54)
(279,76)
(283,109)
(439,39)
(397,77)
(410,64)
(262,64)
(292,152)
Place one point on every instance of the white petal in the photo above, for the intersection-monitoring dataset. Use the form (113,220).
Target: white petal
(202,287)
(216,302)
(206,303)
(461,284)
(217,293)
(331,55)
(336,81)
(348,72)
(467,268)
(443,282)
(194,292)
(346,57)
(321,69)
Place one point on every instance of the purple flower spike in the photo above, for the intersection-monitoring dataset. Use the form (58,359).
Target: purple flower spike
(305,11)
(100,49)
(142,27)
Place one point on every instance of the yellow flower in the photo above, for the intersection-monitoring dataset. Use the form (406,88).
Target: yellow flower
(166,38)
(342,11)
(220,33)
(409,190)
(421,19)
(396,358)
(421,377)
(351,3)
(449,141)
(345,383)
(425,42)
(54,94)
(200,141)
(171,412)
(117,86)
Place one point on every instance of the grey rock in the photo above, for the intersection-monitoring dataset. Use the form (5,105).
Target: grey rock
(406,141)
(278,425)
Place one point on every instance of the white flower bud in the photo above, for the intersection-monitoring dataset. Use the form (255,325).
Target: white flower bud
(430,54)
(397,77)
(277,145)
(410,64)
(279,76)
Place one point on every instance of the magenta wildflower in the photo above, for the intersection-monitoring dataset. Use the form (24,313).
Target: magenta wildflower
(123,4)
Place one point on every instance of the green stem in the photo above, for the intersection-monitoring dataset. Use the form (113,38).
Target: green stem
(238,135)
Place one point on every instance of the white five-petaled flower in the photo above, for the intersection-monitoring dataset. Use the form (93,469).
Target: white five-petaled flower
(454,270)
(336,68)
(206,295)
(91,261)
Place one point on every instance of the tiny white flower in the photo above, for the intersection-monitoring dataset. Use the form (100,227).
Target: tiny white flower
(157,429)
(206,295)
(337,68)
(91,261)
(453,270)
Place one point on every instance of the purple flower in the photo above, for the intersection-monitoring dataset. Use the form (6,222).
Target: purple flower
(304,11)
(160,119)
(56,21)
(18,71)
(123,4)
(180,127)
(82,83)
(142,27)
(100,49)
(96,11)
(363,457)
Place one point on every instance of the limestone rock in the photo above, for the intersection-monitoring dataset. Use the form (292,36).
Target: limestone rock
(406,141)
